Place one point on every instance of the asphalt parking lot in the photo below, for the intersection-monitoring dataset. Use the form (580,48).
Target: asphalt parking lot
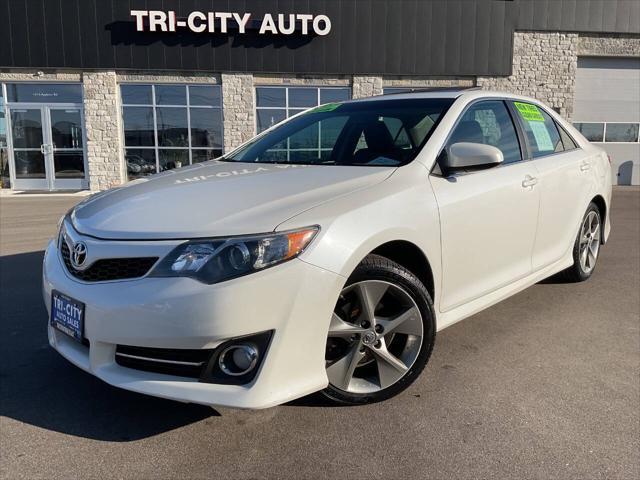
(543,385)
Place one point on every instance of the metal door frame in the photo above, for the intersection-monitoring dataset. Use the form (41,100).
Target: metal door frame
(49,183)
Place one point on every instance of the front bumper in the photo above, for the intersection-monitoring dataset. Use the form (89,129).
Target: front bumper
(294,299)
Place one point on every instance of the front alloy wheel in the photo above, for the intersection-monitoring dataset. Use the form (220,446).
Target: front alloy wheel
(380,335)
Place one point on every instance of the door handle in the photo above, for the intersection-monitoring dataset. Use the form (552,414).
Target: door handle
(585,167)
(529,181)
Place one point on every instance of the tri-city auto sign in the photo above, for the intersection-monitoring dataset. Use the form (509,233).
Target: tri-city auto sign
(223,22)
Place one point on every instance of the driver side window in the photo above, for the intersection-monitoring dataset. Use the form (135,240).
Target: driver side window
(489,122)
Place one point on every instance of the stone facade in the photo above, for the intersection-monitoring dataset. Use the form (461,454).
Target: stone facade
(238,110)
(544,67)
(102,126)
(303,80)
(366,86)
(610,45)
(433,82)
(161,77)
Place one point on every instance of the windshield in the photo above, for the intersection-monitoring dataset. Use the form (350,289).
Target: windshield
(373,133)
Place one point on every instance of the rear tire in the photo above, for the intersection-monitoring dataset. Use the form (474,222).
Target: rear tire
(381,335)
(586,247)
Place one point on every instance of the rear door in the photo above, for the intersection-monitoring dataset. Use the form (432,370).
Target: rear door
(563,181)
(488,217)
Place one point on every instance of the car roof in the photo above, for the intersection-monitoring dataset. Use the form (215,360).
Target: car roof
(470,93)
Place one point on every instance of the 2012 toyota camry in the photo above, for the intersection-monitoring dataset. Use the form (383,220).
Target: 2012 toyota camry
(325,253)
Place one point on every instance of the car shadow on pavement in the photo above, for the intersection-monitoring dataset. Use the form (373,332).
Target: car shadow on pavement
(39,387)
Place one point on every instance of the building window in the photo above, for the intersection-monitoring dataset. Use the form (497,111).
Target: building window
(274,104)
(170,126)
(621,132)
(609,132)
(594,132)
(4,151)
(396,90)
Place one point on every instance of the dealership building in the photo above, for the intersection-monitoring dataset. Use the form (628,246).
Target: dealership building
(94,93)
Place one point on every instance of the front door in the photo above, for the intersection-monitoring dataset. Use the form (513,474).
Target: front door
(47,147)
(488,218)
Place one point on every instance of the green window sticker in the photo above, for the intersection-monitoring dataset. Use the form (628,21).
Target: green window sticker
(329,107)
(529,112)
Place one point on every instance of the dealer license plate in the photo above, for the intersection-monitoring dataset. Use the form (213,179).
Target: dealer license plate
(67,315)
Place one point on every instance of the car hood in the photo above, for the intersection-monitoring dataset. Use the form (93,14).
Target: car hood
(216,199)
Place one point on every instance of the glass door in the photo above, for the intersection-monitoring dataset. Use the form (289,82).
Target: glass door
(65,148)
(48,148)
(27,135)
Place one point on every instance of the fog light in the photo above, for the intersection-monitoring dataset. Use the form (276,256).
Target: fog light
(236,360)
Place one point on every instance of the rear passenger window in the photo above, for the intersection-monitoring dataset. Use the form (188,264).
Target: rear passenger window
(541,130)
(490,123)
(567,141)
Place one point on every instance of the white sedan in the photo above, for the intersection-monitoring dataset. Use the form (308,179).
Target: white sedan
(325,253)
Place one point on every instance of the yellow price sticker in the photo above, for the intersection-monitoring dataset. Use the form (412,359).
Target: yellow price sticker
(529,112)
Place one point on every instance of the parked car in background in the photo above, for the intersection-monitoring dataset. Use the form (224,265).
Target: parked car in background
(325,253)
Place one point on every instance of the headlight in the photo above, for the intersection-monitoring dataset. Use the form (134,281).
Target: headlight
(60,229)
(219,259)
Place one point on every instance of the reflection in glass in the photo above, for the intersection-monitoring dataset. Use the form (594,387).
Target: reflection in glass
(330,129)
(305,138)
(68,164)
(621,132)
(206,127)
(198,156)
(172,127)
(171,95)
(328,95)
(3,130)
(396,90)
(593,132)
(173,158)
(303,97)
(29,164)
(268,118)
(26,128)
(136,94)
(44,92)
(271,97)
(140,162)
(66,128)
(138,126)
(4,168)
(204,95)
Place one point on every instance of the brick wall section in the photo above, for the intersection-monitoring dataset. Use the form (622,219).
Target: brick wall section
(609,45)
(366,86)
(102,123)
(544,67)
(238,109)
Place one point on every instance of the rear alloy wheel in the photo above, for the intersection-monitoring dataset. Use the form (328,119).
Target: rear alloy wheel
(381,333)
(586,247)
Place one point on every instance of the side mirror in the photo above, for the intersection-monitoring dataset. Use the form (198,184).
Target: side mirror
(469,155)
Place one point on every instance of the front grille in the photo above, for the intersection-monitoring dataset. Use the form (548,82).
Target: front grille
(108,268)
(179,362)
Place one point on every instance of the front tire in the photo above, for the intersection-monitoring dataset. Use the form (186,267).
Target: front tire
(586,247)
(381,334)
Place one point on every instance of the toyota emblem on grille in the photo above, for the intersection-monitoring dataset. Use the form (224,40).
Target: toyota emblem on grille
(78,254)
